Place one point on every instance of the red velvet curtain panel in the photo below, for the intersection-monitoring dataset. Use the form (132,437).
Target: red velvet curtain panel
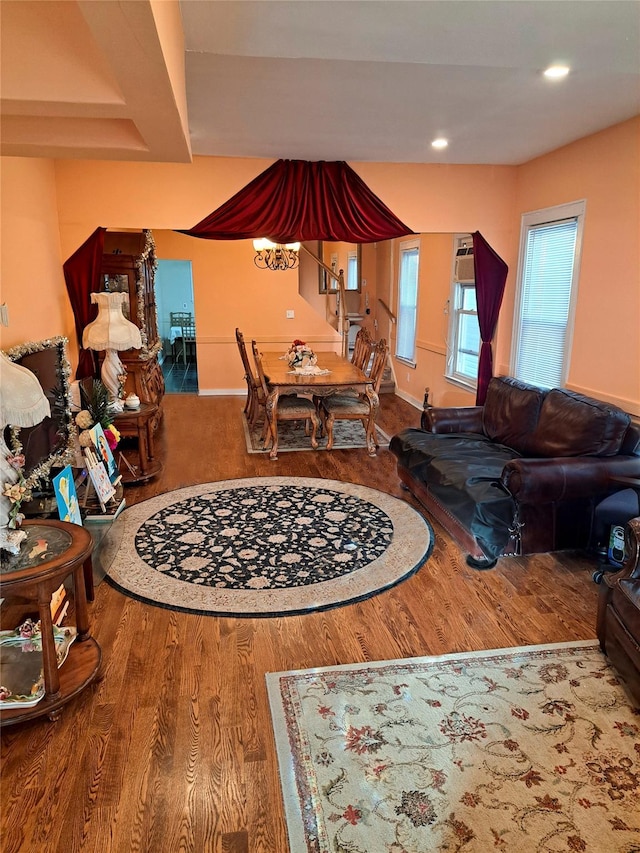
(301,200)
(491,276)
(82,275)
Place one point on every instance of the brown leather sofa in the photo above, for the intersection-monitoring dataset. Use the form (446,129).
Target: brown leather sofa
(619,613)
(521,474)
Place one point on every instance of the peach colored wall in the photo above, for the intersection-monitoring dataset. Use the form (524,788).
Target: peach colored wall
(230,291)
(32,284)
(430,198)
(604,169)
(166,196)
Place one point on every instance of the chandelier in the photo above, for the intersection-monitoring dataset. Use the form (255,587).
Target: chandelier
(275,256)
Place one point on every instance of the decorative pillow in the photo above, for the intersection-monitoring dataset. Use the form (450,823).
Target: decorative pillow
(511,412)
(573,425)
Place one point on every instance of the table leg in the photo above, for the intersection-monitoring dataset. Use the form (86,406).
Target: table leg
(271,407)
(87,571)
(49,659)
(150,443)
(374,403)
(143,449)
(80,602)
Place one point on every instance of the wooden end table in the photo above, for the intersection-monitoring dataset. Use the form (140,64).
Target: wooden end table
(138,423)
(52,551)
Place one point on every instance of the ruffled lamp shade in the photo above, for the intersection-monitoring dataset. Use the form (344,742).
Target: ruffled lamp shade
(112,332)
(23,404)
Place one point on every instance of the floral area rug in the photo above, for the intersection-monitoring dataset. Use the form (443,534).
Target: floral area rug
(347,435)
(265,546)
(532,750)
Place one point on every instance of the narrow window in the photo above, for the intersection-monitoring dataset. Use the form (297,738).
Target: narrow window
(352,271)
(407,301)
(550,244)
(464,333)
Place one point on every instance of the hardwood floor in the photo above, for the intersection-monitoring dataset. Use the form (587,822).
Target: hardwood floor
(172,749)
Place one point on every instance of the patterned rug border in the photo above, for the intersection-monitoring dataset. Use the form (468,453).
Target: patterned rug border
(295,818)
(382,436)
(411,547)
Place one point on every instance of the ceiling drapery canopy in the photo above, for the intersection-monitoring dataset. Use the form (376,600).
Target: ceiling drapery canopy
(298,200)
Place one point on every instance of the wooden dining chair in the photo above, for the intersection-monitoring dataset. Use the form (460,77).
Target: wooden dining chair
(255,403)
(357,407)
(290,407)
(184,321)
(362,349)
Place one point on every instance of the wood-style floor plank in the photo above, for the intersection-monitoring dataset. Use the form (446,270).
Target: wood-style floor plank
(172,749)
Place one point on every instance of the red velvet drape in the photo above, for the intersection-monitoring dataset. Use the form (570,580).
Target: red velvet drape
(301,200)
(491,277)
(82,275)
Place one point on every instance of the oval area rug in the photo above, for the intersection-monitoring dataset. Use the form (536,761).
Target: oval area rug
(266,546)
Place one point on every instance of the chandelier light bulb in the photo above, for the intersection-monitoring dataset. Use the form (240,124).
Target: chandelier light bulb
(275,256)
(556,72)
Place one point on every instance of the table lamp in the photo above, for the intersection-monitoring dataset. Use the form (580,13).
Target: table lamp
(112,332)
(22,404)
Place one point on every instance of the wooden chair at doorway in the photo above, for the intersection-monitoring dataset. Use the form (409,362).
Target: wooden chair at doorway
(186,337)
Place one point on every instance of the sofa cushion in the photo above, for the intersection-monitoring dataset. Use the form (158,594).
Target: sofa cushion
(573,425)
(511,412)
(463,472)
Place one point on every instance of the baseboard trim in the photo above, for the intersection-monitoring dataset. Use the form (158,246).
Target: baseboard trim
(222,392)
(408,399)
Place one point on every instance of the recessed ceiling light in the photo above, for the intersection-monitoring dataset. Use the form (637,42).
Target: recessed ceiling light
(556,72)
(440,143)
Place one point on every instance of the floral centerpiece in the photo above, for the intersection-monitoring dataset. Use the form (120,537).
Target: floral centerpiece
(300,355)
(17,492)
(96,411)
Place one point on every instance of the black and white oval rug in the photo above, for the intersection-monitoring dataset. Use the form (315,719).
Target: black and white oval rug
(266,546)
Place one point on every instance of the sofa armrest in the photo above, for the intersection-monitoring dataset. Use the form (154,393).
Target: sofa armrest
(454,419)
(546,480)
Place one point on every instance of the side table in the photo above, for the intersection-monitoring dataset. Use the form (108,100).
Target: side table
(52,551)
(138,423)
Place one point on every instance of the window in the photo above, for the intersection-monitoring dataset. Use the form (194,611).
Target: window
(407,300)
(352,271)
(464,333)
(550,244)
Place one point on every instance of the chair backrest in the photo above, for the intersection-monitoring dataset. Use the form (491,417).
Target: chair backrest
(380,353)
(189,331)
(181,318)
(262,382)
(248,373)
(362,349)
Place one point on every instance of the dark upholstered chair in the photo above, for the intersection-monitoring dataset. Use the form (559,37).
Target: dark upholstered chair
(619,613)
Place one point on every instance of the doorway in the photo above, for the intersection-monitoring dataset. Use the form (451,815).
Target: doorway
(176,326)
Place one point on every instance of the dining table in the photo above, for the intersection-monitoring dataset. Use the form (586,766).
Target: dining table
(340,376)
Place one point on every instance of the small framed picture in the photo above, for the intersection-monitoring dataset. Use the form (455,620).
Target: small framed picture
(104,451)
(66,497)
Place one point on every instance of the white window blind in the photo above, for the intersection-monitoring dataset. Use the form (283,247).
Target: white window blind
(407,302)
(352,271)
(467,333)
(543,318)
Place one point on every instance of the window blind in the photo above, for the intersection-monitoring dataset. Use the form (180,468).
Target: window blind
(407,304)
(545,301)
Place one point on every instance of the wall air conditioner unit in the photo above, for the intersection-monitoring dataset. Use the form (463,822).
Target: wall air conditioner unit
(464,268)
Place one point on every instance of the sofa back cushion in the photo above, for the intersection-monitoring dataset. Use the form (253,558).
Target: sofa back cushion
(573,425)
(511,412)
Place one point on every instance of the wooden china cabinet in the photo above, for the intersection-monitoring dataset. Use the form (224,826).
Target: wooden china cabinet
(128,265)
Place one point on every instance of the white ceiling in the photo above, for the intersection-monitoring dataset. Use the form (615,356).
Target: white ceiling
(351,80)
